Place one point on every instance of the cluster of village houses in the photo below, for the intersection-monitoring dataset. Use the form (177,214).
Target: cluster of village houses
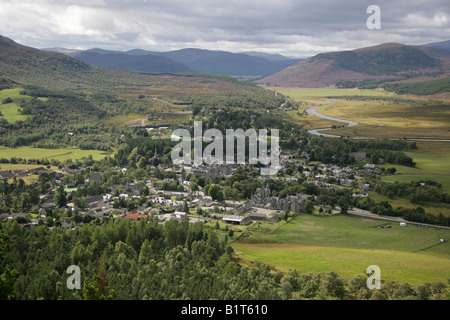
(262,206)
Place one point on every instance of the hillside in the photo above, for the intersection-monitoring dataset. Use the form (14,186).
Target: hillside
(24,65)
(27,59)
(377,63)
(386,59)
(144,63)
(420,88)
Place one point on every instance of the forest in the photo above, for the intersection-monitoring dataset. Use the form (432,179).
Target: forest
(126,260)
(336,151)
(420,88)
(416,191)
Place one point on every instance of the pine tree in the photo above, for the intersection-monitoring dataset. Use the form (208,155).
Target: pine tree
(61,197)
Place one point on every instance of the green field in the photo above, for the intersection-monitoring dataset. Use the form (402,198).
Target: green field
(348,245)
(432,159)
(141,120)
(10,111)
(297,93)
(429,207)
(348,231)
(11,166)
(348,263)
(127,120)
(432,163)
(60,154)
(27,179)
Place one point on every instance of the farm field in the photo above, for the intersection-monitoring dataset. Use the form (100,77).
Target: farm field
(27,179)
(348,245)
(429,207)
(10,110)
(432,160)
(127,120)
(141,120)
(60,154)
(11,166)
(348,263)
(297,93)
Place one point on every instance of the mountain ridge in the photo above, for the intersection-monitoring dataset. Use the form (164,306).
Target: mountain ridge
(142,63)
(185,60)
(443,45)
(375,63)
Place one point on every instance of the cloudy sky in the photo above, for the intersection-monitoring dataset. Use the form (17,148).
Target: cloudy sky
(297,28)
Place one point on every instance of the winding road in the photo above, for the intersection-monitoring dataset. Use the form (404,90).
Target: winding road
(318,132)
(369,215)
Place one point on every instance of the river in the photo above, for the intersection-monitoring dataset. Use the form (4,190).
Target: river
(318,132)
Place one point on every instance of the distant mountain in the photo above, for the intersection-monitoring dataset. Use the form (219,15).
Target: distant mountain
(62,50)
(133,60)
(185,60)
(443,45)
(138,52)
(125,61)
(226,63)
(268,56)
(391,60)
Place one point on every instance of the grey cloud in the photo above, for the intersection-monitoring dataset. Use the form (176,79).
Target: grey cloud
(296,28)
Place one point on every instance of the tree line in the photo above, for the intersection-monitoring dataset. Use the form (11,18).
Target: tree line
(124,260)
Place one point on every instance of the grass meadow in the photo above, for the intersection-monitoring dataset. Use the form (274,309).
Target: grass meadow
(398,266)
(10,111)
(27,179)
(429,207)
(348,245)
(432,158)
(299,93)
(127,120)
(60,154)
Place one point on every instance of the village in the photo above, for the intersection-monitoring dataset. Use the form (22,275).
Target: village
(184,203)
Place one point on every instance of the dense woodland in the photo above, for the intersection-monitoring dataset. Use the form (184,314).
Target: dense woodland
(420,88)
(139,260)
(336,151)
